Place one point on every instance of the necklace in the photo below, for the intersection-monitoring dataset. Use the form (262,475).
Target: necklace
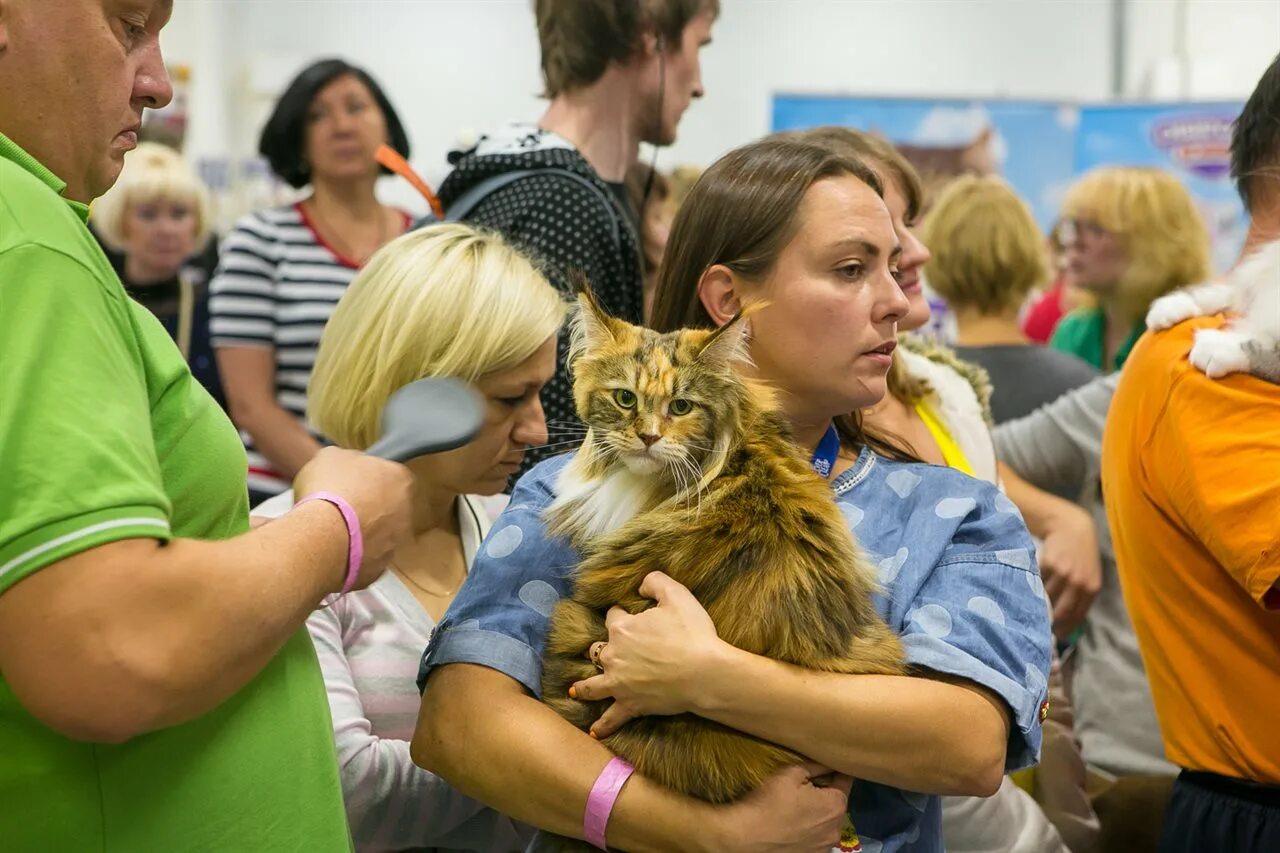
(430,592)
(341,244)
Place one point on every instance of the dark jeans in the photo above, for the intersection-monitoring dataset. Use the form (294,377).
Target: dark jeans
(1209,813)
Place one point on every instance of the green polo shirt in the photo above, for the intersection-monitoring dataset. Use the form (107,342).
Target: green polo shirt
(104,436)
(1083,333)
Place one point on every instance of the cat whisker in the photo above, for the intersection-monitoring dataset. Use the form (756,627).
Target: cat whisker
(553,444)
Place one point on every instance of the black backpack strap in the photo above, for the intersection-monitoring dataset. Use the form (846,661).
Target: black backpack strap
(468,201)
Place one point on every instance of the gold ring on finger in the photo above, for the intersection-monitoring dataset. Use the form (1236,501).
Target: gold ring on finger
(597,649)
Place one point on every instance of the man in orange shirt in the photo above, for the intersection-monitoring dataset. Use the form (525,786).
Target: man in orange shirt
(1191,473)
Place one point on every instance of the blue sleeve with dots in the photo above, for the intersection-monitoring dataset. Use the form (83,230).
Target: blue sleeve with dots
(978,609)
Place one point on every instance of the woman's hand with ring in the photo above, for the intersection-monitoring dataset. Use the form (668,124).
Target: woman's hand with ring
(653,661)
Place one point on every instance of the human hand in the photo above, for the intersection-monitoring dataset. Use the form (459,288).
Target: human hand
(654,660)
(1071,567)
(799,808)
(381,493)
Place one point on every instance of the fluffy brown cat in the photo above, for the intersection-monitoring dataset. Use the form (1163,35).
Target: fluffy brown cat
(690,469)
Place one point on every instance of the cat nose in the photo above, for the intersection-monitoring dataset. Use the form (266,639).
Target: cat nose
(649,440)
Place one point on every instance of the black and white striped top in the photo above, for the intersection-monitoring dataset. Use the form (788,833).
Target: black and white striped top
(276,286)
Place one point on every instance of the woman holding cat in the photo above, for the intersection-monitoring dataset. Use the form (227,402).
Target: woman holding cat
(937,410)
(937,407)
(791,225)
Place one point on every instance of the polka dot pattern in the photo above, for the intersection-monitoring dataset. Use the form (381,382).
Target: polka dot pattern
(1036,681)
(933,619)
(903,482)
(986,608)
(571,230)
(1037,585)
(852,514)
(540,596)
(505,542)
(890,566)
(1003,504)
(954,507)
(1019,557)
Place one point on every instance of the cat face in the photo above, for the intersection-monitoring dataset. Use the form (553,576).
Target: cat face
(656,403)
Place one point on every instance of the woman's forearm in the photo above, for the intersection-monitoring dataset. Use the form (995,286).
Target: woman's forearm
(149,636)
(1039,509)
(479,730)
(919,734)
(280,437)
(249,380)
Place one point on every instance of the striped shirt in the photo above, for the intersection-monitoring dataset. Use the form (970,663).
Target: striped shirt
(276,286)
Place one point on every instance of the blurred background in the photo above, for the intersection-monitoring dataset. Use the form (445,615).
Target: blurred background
(1036,90)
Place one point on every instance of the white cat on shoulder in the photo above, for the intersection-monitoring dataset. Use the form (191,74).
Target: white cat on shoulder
(1251,294)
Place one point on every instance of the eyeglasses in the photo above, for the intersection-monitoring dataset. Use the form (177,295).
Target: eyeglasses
(1072,230)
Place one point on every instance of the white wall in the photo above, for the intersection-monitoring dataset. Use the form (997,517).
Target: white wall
(452,66)
(1199,49)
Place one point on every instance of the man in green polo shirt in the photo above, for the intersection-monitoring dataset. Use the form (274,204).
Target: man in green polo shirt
(158,691)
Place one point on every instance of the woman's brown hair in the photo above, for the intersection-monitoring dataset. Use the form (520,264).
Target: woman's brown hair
(741,214)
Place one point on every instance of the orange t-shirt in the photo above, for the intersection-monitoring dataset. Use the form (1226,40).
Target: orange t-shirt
(1191,474)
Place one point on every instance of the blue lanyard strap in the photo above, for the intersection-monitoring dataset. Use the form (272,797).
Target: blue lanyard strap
(824,458)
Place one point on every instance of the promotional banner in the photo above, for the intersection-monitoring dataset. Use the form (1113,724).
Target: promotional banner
(1040,147)
(1190,140)
(1030,143)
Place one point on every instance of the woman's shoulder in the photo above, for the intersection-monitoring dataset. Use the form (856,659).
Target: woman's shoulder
(946,374)
(931,508)
(268,223)
(929,479)
(538,486)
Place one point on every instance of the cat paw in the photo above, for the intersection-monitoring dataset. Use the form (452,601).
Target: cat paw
(1218,352)
(1171,310)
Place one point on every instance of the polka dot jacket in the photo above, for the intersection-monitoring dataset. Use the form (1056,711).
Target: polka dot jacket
(960,585)
(566,226)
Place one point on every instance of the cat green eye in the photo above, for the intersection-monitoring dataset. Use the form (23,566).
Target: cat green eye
(624,398)
(680,407)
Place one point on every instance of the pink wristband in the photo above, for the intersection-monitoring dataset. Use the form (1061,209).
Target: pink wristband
(355,539)
(604,793)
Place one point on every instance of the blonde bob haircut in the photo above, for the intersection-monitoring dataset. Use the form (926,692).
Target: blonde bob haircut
(988,253)
(152,173)
(1157,224)
(445,300)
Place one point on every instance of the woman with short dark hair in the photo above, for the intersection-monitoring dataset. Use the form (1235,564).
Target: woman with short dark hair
(282,271)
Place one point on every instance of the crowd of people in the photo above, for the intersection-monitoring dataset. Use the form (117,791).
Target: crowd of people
(224,626)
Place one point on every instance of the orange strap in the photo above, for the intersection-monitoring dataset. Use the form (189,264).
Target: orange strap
(391,159)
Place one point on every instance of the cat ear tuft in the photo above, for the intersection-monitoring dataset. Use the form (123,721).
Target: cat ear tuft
(730,343)
(591,326)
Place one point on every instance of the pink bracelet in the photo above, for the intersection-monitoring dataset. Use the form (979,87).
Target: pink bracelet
(604,793)
(355,539)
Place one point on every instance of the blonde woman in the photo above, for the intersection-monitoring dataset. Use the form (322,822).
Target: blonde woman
(1132,234)
(447,300)
(987,256)
(155,221)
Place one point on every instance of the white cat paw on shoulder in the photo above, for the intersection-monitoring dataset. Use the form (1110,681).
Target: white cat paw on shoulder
(1219,352)
(1171,310)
